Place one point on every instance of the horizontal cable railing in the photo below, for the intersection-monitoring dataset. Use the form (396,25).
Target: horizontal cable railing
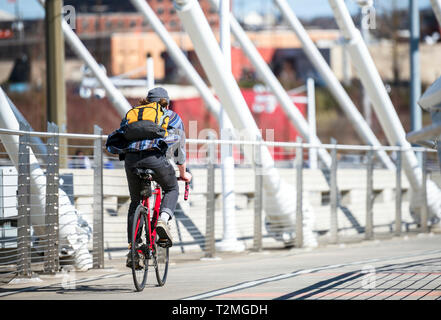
(356,198)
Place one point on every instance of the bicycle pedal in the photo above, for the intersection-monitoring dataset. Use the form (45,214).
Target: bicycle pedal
(164,243)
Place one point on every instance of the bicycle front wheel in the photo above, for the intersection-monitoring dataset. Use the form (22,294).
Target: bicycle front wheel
(161,257)
(139,248)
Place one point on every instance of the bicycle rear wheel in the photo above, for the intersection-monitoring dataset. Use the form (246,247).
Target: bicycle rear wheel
(161,257)
(139,248)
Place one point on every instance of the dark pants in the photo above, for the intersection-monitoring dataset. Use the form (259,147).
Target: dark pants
(164,174)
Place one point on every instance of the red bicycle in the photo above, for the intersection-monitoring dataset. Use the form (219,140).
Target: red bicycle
(146,247)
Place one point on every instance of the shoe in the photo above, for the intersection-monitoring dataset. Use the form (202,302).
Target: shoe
(129,260)
(165,239)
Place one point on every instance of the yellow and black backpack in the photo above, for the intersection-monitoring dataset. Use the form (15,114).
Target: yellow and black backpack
(146,122)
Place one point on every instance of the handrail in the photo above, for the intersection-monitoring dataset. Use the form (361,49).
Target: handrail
(232,142)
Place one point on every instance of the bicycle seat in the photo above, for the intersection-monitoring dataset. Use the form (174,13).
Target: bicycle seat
(146,174)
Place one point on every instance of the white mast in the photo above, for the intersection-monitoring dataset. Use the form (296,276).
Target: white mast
(280,206)
(384,108)
(343,99)
(229,241)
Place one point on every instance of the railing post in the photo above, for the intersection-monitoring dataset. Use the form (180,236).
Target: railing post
(398,194)
(424,210)
(51,260)
(369,231)
(258,197)
(438,149)
(98,211)
(334,194)
(209,231)
(299,192)
(24,205)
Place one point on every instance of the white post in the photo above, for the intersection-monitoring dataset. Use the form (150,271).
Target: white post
(150,72)
(367,110)
(384,108)
(229,241)
(310,92)
(281,204)
(346,65)
(436,5)
(343,99)
(68,215)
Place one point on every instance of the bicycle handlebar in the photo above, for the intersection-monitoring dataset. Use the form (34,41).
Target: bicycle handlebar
(187,188)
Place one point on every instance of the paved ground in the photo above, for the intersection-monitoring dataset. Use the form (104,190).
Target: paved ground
(400,268)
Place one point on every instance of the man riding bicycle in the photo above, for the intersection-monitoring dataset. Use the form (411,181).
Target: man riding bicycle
(149,144)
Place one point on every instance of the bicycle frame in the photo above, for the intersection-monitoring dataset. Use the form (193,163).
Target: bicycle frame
(154,220)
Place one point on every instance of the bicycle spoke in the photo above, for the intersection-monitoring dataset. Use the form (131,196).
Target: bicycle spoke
(139,254)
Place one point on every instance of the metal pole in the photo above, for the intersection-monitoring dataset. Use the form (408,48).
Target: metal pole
(225,34)
(55,84)
(424,211)
(272,82)
(335,87)
(98,210)
(347,76)
(369,231)
(37,143)
(334,194)
(310,92)
(367,109)
(150,72)
(229,241)
(52,185)
(24,205)
(438,148)
(415,79)
(374,86)
(398,195)
(210,219)
(299,193)
(258,198)
(210,56)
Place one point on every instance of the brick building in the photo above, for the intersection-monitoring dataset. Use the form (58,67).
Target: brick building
(117,17)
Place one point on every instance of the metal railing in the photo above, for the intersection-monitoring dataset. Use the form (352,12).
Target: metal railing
(354,199)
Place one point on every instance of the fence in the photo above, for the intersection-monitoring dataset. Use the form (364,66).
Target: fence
(354,199)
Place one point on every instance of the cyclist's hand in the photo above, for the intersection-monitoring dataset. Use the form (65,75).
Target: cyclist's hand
(186,177)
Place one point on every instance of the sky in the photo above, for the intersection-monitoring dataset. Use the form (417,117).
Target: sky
(304,9)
